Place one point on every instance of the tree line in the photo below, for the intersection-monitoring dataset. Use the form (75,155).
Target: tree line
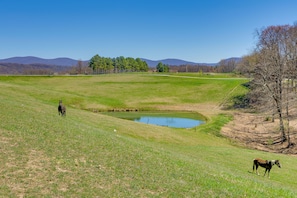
(117,65)
(160,67)
(224,66)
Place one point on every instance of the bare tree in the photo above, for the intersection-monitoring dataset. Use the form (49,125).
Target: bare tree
(271,68)
(79,67)
(226,65)
(247,65)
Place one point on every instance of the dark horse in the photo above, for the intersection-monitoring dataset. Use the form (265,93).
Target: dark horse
(61,109)
(267,164)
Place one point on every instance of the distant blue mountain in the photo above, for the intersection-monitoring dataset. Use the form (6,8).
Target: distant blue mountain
(36,60)
(172,61)
(72,62)
(235,59)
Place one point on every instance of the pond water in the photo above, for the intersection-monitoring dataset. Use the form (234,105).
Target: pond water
(170,121)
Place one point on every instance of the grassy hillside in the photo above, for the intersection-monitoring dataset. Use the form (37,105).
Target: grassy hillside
(81,155)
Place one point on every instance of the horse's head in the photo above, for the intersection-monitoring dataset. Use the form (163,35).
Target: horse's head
(277,163)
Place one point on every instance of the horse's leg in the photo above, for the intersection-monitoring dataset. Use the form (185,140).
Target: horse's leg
(59,109)
(265,172)
(257,166)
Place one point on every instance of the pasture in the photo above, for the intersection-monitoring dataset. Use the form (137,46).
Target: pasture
(89,154)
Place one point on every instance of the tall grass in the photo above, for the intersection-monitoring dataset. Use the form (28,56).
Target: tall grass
(81,155)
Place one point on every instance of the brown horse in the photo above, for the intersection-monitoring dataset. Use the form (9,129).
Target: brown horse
(61,109)
(267,164)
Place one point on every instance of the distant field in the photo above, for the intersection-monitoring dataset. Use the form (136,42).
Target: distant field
(126,91)
(82,155)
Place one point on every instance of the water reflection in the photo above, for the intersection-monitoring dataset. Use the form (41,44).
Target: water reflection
(169,121)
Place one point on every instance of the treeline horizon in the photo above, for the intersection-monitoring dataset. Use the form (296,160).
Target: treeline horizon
(119,64)
(102,65)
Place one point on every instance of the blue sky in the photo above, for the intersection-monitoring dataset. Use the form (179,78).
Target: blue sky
(193,30)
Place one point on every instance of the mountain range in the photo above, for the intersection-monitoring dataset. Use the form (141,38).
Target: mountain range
(72,62)
(37,60)
(172,61)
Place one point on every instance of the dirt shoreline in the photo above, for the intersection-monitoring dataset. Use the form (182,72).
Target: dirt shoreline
(257,132)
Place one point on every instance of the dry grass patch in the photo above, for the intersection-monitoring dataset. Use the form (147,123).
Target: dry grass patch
(255,131)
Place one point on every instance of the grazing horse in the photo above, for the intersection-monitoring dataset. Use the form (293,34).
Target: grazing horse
(61,109)
(267,164)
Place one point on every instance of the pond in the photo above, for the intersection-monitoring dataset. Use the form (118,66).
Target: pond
(168,119)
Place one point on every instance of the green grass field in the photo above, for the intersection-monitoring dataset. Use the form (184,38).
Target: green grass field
(81,155)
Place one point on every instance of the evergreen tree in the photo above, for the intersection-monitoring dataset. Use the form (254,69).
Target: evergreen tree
(118,64)
(162,67)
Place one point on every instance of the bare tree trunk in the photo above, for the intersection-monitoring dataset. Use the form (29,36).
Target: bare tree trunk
(288,125)
(280,107)
(287,110)
(281,123)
